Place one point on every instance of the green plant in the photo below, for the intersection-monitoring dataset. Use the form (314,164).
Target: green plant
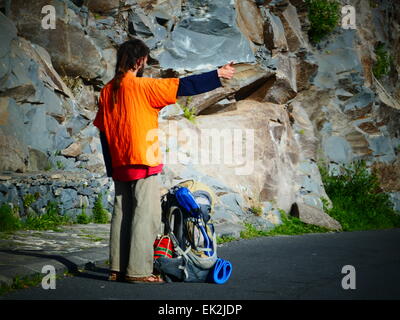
(383,63)
(29,199)
(294,226)
(290,226)
(258,211)
(225,239)
(21,283)
(92,237)
(100,215)
(9,220)
(358,201)
(324,16)
(83,218)
(251,231)
(189,112)
(60,165)
(51,219)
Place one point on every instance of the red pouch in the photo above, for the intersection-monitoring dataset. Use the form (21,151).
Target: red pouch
(163,247)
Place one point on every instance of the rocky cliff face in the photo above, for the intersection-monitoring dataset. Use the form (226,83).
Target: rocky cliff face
(290,104)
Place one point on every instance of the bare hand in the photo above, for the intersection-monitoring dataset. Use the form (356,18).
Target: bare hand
(227,71)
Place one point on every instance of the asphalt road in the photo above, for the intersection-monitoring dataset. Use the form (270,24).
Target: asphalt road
(283,267)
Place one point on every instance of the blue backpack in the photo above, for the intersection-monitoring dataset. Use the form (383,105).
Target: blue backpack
(186,218)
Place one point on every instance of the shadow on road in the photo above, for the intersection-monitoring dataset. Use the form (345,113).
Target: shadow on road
(89,268)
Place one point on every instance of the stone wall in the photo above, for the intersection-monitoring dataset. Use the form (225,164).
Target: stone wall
(71,192)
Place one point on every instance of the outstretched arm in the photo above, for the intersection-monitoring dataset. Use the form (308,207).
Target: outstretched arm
(201,83)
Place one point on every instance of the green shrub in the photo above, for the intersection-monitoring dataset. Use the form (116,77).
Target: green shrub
(100,215)
(290,226)
(29,199)
(324,16)
(51,219)
(358,201)
(9,220)
(294,226)
(83,218)
(383,63)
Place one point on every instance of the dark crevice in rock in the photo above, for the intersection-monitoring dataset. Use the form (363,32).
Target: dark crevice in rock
(262,84)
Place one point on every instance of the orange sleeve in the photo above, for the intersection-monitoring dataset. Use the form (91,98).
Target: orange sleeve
(99,120)
(160,92)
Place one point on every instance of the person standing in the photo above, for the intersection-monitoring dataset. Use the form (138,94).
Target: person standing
(128,110)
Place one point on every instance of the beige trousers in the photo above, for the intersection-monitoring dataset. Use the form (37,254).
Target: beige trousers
(135,223)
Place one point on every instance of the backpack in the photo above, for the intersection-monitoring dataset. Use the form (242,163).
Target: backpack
(186,216)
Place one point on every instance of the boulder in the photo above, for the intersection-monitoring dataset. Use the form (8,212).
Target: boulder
(305,70)
(72,51)
(284,88)
(13,154)
(247,80)
(274,33)
(312,215)
(268,133)
(74,150)
(295,37)
(205,31)
(250,20)
(38,161)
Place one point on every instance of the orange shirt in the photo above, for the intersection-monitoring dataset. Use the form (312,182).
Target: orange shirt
(131,124)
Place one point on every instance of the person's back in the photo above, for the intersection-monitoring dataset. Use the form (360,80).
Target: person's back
(131,116)
(128,122)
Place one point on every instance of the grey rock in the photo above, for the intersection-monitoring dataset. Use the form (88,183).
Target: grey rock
(76,124)
(312,215)
(72,52)
(337,149)
(68,199)
(171,112)
(275,33)
(234,202)
(336,65)
(7,34)
(260,223)
(228,229)
(13,151)
(211,31)
(250,20)
(223,214)
(38,160)
(382,148)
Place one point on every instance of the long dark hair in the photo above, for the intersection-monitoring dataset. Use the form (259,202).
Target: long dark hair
(127,55)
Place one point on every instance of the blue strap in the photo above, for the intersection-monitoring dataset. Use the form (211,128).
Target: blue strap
(222,271)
